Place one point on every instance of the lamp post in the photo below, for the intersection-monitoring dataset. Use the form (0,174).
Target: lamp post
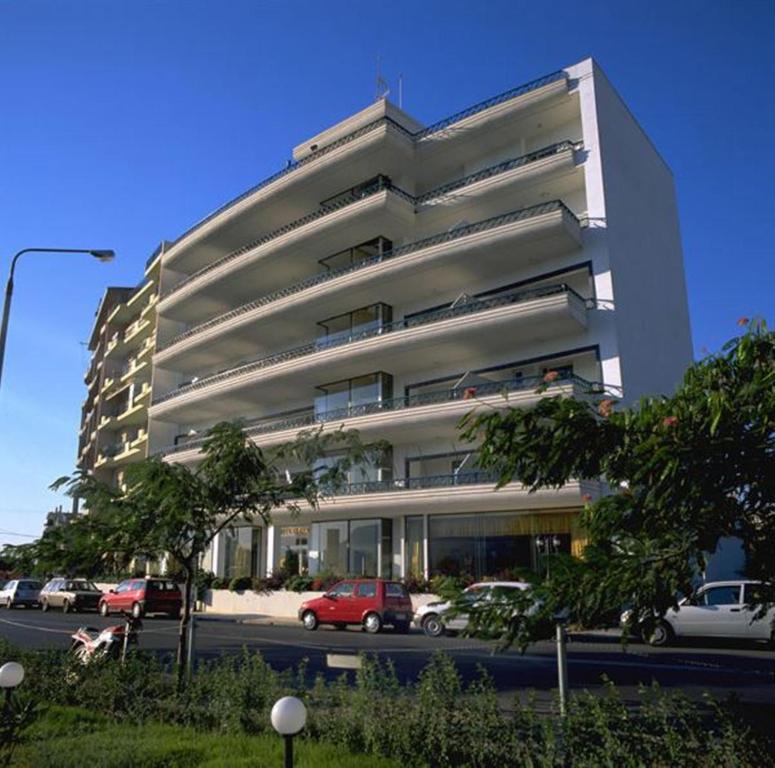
(102,255)
(550,546)
(289,716)
(11,676)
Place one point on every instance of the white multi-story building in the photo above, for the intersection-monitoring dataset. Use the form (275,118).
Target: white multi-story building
(392,277)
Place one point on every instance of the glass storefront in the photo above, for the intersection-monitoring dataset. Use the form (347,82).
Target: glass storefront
(491,544)
(333,547)
(241,552)
(364,547)
(414,549)
(294,548)
(357,547)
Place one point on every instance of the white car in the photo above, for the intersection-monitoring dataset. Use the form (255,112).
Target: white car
(21,592)
(431,616)
(717,609)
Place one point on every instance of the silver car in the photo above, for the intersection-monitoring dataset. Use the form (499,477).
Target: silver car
(21,592)
(723,609)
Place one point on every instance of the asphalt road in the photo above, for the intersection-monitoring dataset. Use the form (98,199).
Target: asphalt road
(746,670)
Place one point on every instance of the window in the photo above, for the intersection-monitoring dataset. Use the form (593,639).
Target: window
(392,589)
(364,542)
(241,552)
(414,550)
(123,586)
(367,589)
(333,547)
(353,395)
(353,324)
(729,595)
(344,589)
(352,256)
(294,548)
(755,594)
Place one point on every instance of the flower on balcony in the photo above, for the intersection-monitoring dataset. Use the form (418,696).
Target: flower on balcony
(469,393)
(551,376)
(605,408)
(670,421)
(586,498)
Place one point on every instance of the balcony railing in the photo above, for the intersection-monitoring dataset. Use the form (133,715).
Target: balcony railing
(464,477)
(423,133)
(307,417)
(361,192)
(471,306)
(401,250)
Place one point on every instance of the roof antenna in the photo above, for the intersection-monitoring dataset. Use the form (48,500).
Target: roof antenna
(382,89)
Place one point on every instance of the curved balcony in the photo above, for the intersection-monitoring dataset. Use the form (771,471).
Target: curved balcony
(342,146)
(463,331)
(399,418)
(555,157)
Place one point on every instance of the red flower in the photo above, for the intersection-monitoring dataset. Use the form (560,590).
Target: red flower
(670,421)
(743,321)
(551,376)
(586,498)
(469,392)
(605,408)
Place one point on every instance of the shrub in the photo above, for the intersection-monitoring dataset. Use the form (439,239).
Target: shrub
(240,583)
(299,583)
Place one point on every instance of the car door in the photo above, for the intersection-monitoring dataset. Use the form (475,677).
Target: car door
(364,599)
(54,594)
(339,605)
(117,601)
(715,611)
(756,629)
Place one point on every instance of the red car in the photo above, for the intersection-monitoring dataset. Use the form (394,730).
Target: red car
(372,603)
(143,596)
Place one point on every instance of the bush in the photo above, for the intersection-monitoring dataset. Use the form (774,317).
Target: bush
(240,583)
(417,585)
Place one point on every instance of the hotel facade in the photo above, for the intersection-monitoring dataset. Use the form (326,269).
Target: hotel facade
(392,277)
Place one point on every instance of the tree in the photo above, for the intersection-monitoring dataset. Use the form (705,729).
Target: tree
(683,471)
(172,509)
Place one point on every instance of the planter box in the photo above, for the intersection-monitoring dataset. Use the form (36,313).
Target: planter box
(280,604)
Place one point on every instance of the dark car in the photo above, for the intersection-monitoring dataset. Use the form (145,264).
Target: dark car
(70,595)
(143,596)
(371,603)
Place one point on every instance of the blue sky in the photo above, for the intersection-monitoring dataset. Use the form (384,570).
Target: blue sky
(123,123)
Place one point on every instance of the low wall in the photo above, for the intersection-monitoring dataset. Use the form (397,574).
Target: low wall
(280,604)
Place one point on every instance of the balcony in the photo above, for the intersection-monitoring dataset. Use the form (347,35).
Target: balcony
(348,217)
(466,331)
(473,251)
(402,418)
(338,148)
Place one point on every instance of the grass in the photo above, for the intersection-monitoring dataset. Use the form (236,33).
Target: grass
(69,737)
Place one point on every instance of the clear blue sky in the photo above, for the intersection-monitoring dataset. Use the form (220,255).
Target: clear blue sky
(123,123)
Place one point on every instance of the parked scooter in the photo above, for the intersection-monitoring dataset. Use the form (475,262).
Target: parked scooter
(91,644)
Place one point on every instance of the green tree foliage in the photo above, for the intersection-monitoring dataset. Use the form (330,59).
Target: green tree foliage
(177,510)
(683,471)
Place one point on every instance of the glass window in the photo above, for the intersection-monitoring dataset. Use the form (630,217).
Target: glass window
(721,596)
(755,594)
(294,548)
(351,256)
(414,550)
(367,589)
(341,397)
(364,547)
(240,552)
(333,547)
(392,589)
(123,586)
(354,323)
(343,589)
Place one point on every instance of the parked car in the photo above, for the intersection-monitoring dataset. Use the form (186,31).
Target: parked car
(70,595)
(372,603)
(431,617)
(724,609)
(20,592)
(143,596)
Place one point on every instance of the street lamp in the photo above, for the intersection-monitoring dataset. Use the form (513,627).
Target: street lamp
(11,676)
(289,715)
(100,254)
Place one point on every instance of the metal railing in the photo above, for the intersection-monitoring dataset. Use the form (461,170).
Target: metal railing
(354,195)
(307,417)
(464,477)
(294,165)
(471,306)
(401,250)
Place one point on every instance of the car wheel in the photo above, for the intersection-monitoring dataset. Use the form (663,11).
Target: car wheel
(432,626)
(658,634)
(372,623)
(44,605)
(66,607)
(104,610)
(310,621)
(9,604)
(402,627)
(137,611)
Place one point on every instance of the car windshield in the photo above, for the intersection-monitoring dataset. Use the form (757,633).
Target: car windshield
(81,586)
(30,585)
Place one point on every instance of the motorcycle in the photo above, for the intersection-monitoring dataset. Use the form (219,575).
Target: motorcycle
(91,644)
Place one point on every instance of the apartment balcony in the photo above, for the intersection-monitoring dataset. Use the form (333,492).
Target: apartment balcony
(378,138)
(472,330)
(429,415)
(124,452)
(442,263)
(465,491)
(136,411)
(349,218)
